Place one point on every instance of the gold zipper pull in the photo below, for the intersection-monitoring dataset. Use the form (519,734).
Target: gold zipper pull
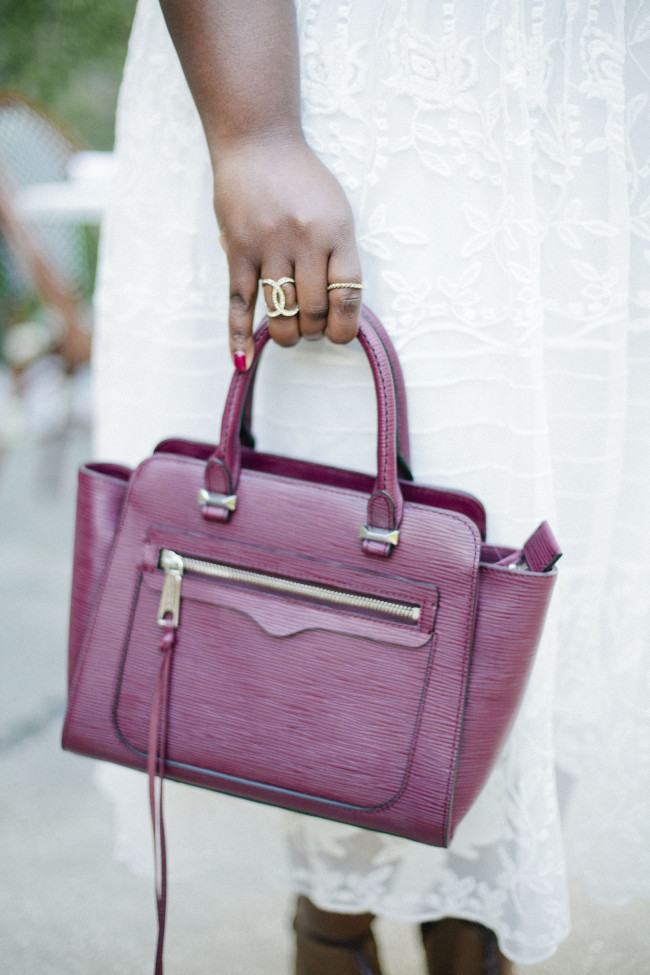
(170,597)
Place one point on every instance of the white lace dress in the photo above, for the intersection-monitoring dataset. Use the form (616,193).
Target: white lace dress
(497,158)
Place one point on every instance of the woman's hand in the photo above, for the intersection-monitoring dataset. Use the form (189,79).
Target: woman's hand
(280,211)
(283,215)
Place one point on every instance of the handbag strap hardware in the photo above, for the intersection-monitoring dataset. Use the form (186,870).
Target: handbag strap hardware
(539,554)
(386,504)
(384,535)
(215,500)
(542,551)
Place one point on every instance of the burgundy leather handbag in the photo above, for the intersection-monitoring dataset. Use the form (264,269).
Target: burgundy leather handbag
(301,635)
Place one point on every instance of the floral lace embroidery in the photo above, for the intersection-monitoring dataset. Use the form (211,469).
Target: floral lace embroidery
(497,158)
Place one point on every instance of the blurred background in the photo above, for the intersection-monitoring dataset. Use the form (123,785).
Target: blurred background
(60,68)
(68,55)
(66,903)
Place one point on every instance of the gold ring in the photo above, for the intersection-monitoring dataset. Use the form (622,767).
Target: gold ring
(279,298)
(344,284)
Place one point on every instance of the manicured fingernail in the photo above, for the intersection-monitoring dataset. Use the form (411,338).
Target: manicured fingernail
(239,359)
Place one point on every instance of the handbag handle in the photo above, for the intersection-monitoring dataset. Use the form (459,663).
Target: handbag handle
(385,505)
(403,449)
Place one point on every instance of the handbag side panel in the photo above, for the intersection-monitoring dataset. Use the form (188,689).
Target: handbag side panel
(100,499)
(510,615)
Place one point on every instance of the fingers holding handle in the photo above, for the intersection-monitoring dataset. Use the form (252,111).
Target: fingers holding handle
(344,310)
(282,309)
(343,300)
(285,222)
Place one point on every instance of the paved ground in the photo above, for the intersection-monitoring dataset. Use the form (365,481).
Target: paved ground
(66,906)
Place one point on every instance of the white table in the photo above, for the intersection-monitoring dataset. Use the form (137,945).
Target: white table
(80,199)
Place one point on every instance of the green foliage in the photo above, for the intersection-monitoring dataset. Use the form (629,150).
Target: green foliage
(68,56)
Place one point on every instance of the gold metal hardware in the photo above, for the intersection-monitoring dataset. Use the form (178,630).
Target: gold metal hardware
(279,298)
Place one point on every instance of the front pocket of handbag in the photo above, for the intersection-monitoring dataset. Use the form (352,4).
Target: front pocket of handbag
(286,682)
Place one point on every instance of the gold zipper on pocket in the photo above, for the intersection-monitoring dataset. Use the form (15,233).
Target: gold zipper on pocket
(175,566)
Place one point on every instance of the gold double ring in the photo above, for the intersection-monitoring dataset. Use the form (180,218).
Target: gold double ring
(279,298)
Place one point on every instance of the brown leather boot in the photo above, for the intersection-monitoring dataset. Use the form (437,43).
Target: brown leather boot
(456,947)
(333,944)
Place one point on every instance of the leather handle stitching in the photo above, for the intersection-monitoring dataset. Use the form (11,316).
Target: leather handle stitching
(262,338)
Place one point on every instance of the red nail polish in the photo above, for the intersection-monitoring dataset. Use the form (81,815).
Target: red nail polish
(240,361)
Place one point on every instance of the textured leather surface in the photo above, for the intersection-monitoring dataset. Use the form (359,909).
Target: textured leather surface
(385,506)
(459,501)
(100,496)
(541,551)
(510,617)
(340,713)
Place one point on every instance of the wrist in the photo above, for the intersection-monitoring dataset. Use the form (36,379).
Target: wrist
(233,140)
